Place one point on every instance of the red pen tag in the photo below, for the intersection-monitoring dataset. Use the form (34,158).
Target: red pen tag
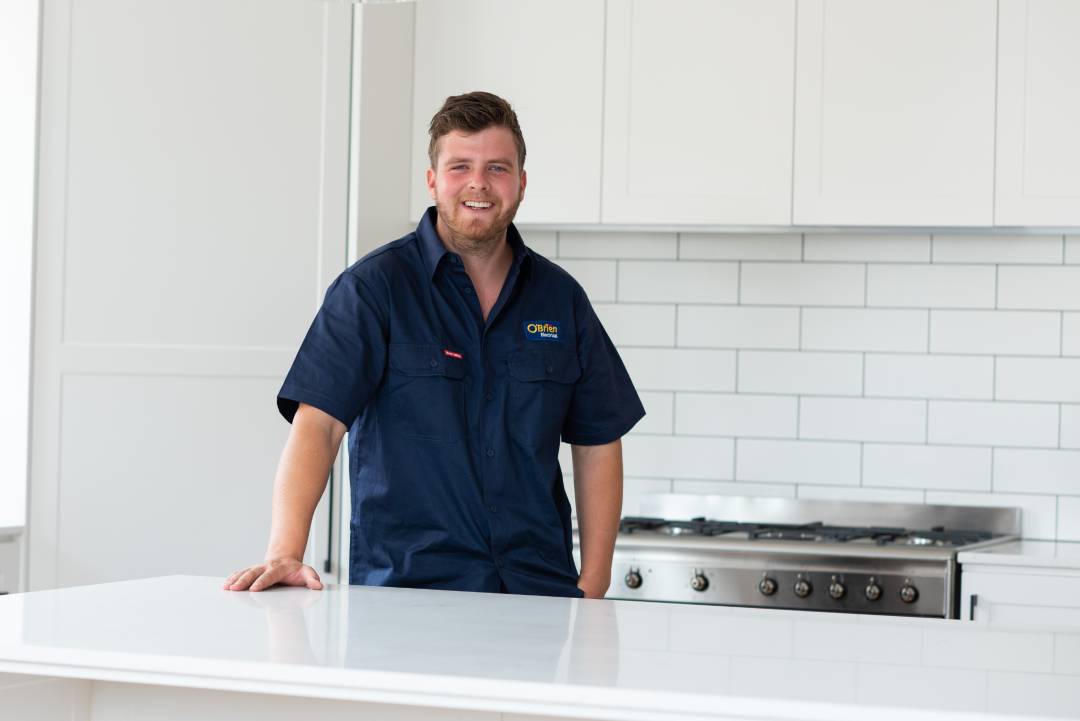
(451,354)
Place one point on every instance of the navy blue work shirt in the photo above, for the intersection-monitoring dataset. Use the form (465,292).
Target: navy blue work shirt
(454,423)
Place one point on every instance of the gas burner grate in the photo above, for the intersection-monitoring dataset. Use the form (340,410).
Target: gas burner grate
(816,532)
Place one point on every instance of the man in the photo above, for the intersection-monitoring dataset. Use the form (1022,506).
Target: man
(457,357)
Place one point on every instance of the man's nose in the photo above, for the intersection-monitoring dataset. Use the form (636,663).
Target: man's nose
(478,179)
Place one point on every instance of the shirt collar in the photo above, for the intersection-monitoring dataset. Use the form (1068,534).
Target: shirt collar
(433,250)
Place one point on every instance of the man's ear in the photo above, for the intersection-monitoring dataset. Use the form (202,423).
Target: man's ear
(431,183)
(521,192)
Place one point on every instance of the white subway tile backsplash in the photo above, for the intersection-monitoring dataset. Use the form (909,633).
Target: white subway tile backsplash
(862,419)
(1037,471)
(794,373)
(617,245)
(929,286)
(846,366)
(938,467)
(998,249)
(1038,379)
(635,488)
(1070,426)
(678,282)
(995,332)
(544,242)
(1028,471)
(597,277)
(735,415)
(864,329)
(678,457)
(1068,526)
(926,376)
(727,488)
(638,324)
(717,246)
(993,424)
(802,284)
(858,493)
(1070,332)
(1042,288)
(1038,514)
(878,248)
(662,369)
(711,326)
(659,413)
(1072,248)
(797,462)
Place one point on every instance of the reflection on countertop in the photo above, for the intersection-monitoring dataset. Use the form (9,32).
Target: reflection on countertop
(620,659)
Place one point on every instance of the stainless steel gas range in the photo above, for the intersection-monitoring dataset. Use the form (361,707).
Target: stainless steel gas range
(823,556)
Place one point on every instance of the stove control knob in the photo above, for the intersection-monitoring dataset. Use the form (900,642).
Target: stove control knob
(873,591)
(699,582)
(909,594)
(836,589)
(803,588)
(633,579)
(767,586)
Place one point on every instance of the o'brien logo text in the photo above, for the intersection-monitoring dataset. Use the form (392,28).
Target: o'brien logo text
(542,330)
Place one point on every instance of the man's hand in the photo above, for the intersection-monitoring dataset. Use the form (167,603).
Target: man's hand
(594,586)
(274,572)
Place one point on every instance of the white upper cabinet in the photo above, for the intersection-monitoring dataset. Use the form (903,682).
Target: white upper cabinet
(894,113)
(546,58)
(698,113)
(1038,140)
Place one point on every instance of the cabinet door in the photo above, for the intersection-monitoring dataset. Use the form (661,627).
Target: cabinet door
(1038,146)
(546,58)
(894,112)
(698,118)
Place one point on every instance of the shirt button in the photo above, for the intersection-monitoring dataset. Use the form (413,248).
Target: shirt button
(551,369)
(490,453)
(434,363)
(489,396)
(468,290)
(493,509)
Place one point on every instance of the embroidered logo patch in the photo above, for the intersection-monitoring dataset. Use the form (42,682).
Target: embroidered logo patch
(541,330)
(452,354)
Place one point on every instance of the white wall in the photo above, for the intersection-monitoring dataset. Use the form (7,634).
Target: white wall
(18,95)
(918,368)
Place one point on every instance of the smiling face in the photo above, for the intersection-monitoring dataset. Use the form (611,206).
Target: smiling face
(477,185)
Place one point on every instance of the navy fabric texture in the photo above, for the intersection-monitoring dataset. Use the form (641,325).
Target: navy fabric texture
(454,423)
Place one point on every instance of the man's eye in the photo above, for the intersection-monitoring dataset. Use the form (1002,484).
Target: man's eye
(498,168)
(457,167)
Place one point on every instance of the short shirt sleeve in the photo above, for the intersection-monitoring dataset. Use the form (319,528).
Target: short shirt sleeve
(605,405)
(343,357)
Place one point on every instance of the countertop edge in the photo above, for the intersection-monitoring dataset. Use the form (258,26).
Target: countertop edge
(1002,556)
(472,694)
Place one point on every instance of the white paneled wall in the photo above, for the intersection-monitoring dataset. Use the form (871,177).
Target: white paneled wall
(913,368)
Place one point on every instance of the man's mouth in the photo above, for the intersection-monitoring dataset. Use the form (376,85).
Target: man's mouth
(478,204)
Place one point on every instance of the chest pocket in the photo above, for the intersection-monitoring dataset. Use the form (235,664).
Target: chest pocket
(425,393)
(541,387)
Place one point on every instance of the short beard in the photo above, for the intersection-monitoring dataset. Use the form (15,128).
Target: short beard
(467,243)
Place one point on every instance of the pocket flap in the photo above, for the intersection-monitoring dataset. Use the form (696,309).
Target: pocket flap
(417,359)
(544,365)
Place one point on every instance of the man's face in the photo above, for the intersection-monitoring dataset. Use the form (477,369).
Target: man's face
(477,184)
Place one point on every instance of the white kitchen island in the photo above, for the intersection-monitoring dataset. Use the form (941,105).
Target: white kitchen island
(180,647)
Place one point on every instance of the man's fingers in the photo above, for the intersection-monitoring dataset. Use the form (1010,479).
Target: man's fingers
(267,578)
(311,578)
(242,579)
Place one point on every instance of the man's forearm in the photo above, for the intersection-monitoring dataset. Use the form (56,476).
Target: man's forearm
(598,480)
(301,479)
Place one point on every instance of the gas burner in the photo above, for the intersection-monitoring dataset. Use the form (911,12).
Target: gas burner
(816,532)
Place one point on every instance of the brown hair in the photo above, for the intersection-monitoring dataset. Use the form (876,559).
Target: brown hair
(471,113)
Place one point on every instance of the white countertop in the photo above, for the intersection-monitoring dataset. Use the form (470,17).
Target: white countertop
(552,656)
(10,532)
(1030,554)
